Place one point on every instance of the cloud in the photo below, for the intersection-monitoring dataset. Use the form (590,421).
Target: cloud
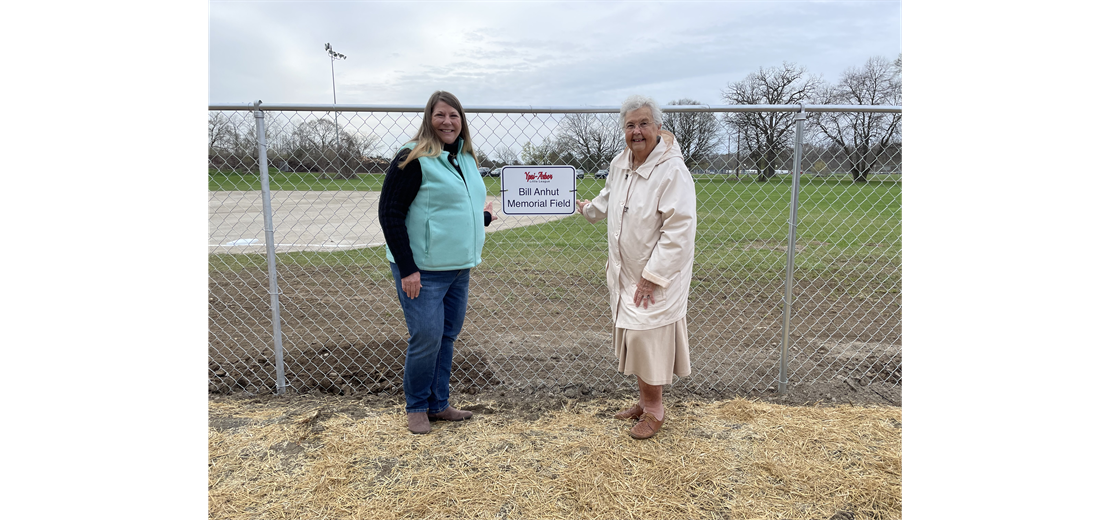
(530,53)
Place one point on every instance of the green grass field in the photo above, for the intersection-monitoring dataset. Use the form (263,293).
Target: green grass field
(846,231)
(230,180)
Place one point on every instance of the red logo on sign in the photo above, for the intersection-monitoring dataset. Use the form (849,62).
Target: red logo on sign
(543,176)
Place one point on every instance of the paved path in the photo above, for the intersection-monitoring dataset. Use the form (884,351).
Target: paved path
(311,221)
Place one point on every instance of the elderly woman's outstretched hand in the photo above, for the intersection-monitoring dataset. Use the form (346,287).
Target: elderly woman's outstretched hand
(489,208)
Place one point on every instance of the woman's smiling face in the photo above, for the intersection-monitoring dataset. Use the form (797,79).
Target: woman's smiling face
(447,122)
(640,132)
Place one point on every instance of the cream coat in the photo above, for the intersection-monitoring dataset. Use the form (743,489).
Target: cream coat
(651,217)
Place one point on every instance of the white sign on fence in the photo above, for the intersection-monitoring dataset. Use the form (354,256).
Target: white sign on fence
(537,190)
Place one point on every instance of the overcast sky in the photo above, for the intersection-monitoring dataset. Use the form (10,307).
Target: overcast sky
(531,53)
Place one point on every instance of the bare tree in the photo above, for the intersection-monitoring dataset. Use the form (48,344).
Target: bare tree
(366,145)
(863,137)
(481,158)
(219,130)
(591,142)
(550,151)
(698,133)
(766,135)
(232,143)
(315,148)
(503,155)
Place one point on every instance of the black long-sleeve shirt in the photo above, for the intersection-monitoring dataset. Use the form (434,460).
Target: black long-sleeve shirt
(398,191)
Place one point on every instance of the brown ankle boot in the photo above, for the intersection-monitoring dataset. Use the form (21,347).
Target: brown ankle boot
(418,423)
(450,414)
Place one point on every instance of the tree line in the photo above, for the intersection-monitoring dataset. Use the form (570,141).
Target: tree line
(858,143)
(316,145)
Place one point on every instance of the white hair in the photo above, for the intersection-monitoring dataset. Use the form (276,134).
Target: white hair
(636,102)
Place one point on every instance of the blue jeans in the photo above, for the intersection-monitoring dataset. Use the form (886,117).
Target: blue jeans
(434,318)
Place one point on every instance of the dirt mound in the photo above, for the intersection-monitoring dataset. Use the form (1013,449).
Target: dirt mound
(348,369)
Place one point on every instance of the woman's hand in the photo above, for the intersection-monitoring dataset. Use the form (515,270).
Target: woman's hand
(645,292)
(582,205)
(411,285)
(489,208)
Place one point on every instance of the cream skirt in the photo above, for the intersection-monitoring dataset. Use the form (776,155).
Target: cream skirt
(655,354)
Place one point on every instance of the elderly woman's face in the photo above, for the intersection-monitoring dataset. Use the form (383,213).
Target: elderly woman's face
(447,122)
(640,131)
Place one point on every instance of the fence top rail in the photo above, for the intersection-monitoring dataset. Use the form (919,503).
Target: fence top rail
(529,109)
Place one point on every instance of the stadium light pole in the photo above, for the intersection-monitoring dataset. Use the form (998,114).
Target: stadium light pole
(334,56)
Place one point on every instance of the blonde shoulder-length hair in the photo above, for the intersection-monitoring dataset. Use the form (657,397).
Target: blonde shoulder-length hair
(427,142)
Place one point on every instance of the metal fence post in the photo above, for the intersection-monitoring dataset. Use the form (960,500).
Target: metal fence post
(788,298)
(271,262)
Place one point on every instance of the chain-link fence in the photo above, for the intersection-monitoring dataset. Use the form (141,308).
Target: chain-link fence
(301,296)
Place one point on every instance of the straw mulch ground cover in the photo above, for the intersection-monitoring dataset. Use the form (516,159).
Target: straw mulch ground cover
(335,457)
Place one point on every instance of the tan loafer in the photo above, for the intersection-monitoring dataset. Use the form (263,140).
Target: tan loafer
(647,426)
(418,423)
(631,413)
(451,414)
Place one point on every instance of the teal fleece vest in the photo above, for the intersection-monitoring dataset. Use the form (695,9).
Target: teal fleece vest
(445,222)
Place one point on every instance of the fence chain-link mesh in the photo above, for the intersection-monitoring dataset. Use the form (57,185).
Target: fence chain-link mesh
(538,316)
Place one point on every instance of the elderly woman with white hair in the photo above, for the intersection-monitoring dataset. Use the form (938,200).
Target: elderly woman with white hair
(649,208)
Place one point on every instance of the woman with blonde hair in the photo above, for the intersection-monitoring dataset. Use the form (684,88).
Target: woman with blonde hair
(431,212)
(649,208)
